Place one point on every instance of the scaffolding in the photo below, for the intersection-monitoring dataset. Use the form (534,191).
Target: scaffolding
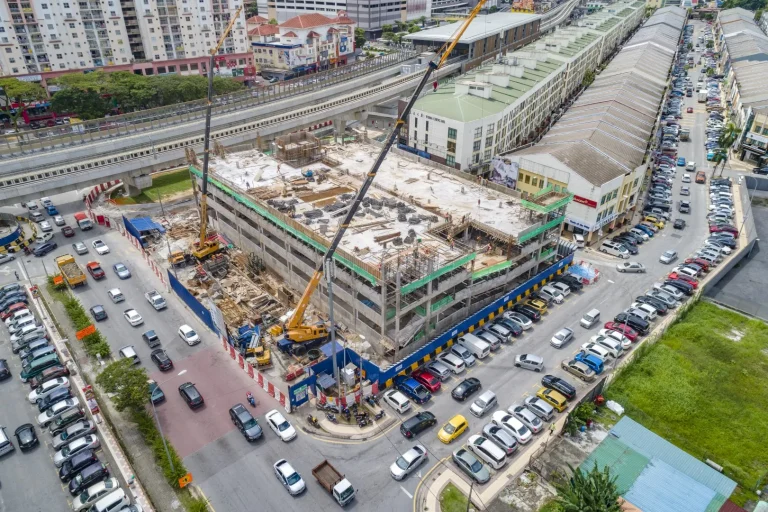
(297,149)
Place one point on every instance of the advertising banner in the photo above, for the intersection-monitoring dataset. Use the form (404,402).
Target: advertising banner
(505,172)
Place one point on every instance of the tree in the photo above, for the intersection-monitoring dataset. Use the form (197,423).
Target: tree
(386,28)
(589,77)
(390,36)
(128,384)
(130,91)
(399,26)
(359,38)
(758,14)
(595,491)
(710,71)
(87,104)
(413,29)
(710,44)
(273,21)
(423,20)
(225,85)
(20,93)
(252,9)
(493,9)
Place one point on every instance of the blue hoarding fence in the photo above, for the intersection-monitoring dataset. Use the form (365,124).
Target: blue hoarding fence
(195,305)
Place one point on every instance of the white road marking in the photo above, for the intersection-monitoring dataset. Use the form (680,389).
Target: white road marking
(410,496)
(182,372)
(611,282)
(23,272)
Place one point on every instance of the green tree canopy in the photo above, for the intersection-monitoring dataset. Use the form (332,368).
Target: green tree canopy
(128,384)
(359,37)
(750,5)
(21,93)
(595,491)
(86,104)
(386,28)
(493,9)
(273,21)
(251,9)
(413,29)
(422,20)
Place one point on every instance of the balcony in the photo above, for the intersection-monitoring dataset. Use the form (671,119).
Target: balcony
(93,45)
(43,59)
(37,38)
(33,68)
(98,62)
(39,48)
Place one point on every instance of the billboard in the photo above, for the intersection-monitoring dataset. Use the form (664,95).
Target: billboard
(504,172)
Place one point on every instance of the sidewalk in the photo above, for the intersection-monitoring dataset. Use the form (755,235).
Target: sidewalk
(342,430)
(141,464)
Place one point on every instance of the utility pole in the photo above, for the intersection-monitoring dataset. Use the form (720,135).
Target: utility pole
(469,498)
(162,436)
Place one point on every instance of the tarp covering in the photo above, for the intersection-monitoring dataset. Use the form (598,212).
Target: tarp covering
(144,224)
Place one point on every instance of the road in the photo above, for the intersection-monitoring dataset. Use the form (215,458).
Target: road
(235,475)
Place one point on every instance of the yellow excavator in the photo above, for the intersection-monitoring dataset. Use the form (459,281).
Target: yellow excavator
(205,247)
(295,330)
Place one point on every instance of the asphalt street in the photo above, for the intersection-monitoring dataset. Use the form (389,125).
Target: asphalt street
(236,475)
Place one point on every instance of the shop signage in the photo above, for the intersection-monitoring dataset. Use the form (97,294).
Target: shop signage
(585,201)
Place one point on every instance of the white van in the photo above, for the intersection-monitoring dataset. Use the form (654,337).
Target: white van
(590,318)
(479,348)
(613,346)
(488,451)
(579,239)
(614,249)
(112,502)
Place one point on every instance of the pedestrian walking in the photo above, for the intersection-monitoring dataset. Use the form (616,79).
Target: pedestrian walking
(552,429)
(16,274)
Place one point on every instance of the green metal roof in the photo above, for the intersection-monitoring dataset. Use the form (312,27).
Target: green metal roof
(625,463)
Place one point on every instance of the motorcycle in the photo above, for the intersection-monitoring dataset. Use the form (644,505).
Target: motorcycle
(331,417)
(379,415)
(362,422)
(251,399)
(313,421)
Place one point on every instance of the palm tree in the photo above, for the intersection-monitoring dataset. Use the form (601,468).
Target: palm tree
(595,491)
(727,138)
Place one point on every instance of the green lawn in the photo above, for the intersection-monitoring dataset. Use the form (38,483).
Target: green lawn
(704,388)
(167,184)
(452,499)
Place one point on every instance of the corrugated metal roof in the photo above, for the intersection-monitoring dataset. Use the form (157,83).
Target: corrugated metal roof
(730,506)
(625,463)
(662,488)
(651,445)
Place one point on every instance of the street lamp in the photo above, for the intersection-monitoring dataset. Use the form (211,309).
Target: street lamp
(162,436)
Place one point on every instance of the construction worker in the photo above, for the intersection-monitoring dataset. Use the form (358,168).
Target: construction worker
(552,429)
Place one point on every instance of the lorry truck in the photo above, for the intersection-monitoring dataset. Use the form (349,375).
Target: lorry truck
(702,98)
(334,482)
(157,300)
(70,270)
(83,221)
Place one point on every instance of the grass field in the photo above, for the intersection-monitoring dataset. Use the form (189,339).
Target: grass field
(704,387)
(167,184)
(452,499)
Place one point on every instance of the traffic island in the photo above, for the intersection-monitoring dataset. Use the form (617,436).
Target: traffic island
(331,430)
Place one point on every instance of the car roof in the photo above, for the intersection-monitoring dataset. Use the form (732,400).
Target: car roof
(457,420)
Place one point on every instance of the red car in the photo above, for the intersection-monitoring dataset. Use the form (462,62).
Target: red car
(700,262)
(690,110)
(95,270)
(727,229)
(682,277)
(12,309)
(426,379)
(67,231)
(624,329)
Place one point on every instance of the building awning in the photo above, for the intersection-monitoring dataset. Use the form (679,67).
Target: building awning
(146,224)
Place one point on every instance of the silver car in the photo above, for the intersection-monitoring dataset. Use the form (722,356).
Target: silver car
(529,362)
(501,437)
(80,248)
(71,449)
(526,417)
(561,337)
(289,477)
(408,462)
(521,320)
(631,266)
(75,431)
(470,465)
(668,257)
(439,370)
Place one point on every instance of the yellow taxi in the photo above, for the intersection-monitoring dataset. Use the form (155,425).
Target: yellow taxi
(655,221)
(538,304)
(453,429)
(553,398)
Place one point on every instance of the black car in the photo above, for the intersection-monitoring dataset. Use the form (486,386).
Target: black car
(679,224)
(88,476)
(728,241)
(26,436)
(43,249)
(571,281)
(516,328)
(560,385)
(528,311)
(245,422)
(65,421)
(627,240)
(418,423)
(73,466)
(633,321)
(681,285)
(631,248)
(98,313)
(5,370)
(56,395)
(655,303)
(465,389)
(161,359)
(191,395)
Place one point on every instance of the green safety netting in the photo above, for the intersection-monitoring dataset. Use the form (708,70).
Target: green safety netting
(490,270)
(536,232)
(439,272)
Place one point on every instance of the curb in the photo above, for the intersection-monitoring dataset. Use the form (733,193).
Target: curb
(323,433)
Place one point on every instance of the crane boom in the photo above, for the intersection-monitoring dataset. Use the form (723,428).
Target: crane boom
(297,332)
(207,140)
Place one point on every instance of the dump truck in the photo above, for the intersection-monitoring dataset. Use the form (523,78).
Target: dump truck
(334,482)
(70,270)
(83,221)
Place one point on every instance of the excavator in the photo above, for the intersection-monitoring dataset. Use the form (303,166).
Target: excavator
(304,336)
(206,247)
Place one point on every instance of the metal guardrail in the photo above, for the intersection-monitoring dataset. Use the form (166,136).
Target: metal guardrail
(54,138)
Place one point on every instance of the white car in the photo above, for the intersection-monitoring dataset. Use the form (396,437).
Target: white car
(647,309)
(596,350)
(44,237)
(561,337)
(396,400)
(133,317)
(513,426)
(101,247)
(551,291)
(5,258)
(46,226)
(563,288)
(55,411)
(59,220)
(73,448)
(189,335)
(289,477)
(520,319)
(280,426)
(46,388)
(80,248)
(408,462)
(94,493)
(685,271)
(626,343)
(452,361)
(526,417)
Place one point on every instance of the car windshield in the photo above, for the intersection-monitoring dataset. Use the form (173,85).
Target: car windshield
(250,424)
(293,478)
(120,267)
(476,466)
(449,429)
(190,334)
(402,463)
(283,426)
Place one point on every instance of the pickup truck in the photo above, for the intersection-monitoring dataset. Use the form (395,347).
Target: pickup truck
(157,300)
(95,270)
(70,270)
(334,482)
(83,221)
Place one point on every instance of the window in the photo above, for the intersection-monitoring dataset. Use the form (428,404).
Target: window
(12,60)
(634,185)
(8,50)
(451,146)
(450,160)
(66,5)
(615,193)
(489,130)
(71,25)
(541,183)
(56,46)
(478,132)
(527,179)
(476,146)
(79,54)
(44,6)
(415,136)
(488,142)
(487,155)
(415,120)
(15,70)
(535,181)
(452,133)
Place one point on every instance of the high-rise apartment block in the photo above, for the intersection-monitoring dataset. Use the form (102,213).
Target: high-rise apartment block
(42,39)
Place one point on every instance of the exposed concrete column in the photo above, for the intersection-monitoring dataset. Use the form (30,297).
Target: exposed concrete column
(339,127)
(135,184)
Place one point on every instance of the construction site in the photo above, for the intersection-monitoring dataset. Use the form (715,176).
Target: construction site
(427,248)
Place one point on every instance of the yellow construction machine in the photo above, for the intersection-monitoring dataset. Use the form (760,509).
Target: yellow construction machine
(295,329)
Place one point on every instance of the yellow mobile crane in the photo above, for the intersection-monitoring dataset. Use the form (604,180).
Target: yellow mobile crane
(294,328)
(204,247)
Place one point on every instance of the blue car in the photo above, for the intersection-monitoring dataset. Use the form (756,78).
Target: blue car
(52,210)
(710,155)
(681,161)
(594,362)
(645,229)
(412,389)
